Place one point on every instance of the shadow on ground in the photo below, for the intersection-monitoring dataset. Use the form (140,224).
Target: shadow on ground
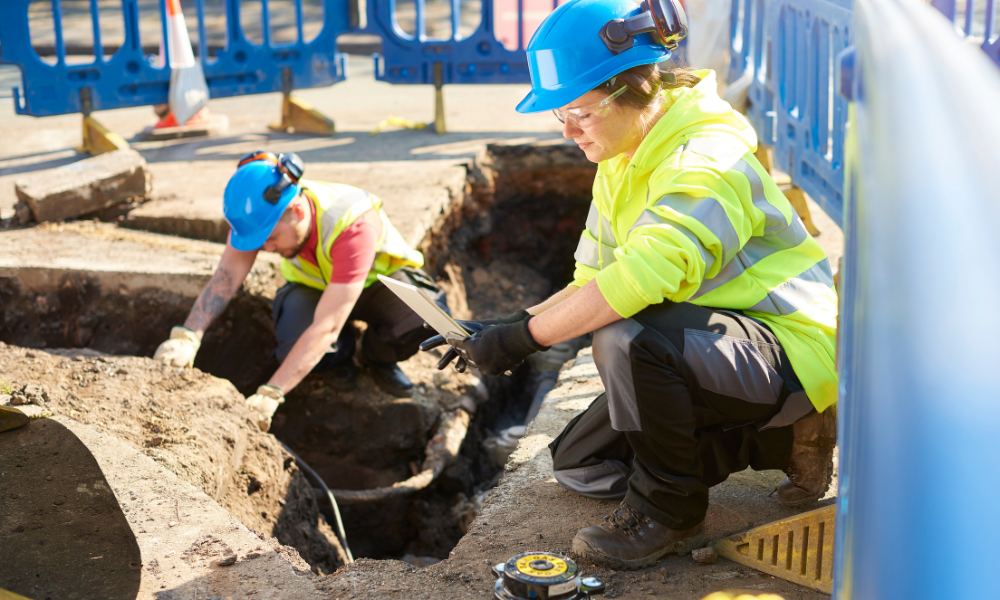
(63,533)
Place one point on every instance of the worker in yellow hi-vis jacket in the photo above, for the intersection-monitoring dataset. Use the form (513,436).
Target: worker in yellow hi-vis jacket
(713,311)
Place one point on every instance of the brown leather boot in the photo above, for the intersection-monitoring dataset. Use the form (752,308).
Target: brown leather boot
(629,540)
(811,466)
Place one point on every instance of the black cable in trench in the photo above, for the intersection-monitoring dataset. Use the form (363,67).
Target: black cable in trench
(333,501)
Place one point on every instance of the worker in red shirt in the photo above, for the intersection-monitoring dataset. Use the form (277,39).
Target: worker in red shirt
(335,240)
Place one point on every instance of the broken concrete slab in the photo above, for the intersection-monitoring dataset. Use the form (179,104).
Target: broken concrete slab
(85,186)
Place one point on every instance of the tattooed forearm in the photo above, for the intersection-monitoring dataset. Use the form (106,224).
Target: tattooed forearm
(212,300)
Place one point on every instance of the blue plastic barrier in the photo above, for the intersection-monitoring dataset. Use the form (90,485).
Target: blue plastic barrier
(918,405)
(129,77)
(750,49)
(806,36)
(977,22)
(482,57)
(493,52)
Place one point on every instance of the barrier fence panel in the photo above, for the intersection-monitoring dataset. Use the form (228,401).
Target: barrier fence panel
(467,41)
(479,41)
(806,36)
(976,20)
(246,63)
(750,48)
(918,397)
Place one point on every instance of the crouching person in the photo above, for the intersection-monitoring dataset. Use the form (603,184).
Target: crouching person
(713,310)
(335,240)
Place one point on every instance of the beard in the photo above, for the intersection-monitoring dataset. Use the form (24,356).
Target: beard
(294,252)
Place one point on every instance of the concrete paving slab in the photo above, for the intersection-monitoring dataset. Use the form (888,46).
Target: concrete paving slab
(120,260)
(86,186)
(183,533)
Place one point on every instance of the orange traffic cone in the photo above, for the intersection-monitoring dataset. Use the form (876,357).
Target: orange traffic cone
(187,113)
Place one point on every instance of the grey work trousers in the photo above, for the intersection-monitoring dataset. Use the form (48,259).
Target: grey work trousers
(692,395)
(394,331)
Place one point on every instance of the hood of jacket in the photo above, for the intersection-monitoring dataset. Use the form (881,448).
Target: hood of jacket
(687,110)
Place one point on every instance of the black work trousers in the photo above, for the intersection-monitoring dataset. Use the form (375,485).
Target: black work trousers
(692,395)
(394,331)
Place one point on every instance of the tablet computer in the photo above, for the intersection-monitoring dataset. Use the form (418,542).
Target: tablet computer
(421,304)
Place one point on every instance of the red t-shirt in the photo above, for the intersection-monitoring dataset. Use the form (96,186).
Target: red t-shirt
(353,253)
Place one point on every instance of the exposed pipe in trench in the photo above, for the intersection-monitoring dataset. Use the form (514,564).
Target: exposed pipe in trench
(440,453)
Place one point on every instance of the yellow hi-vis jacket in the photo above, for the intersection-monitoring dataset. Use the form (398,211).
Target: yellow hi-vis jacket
(695,218)
(337,207)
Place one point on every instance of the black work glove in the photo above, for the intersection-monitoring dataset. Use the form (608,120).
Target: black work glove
(499,348)
(472,327)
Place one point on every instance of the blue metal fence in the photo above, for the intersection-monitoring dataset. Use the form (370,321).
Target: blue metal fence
(918,399)
(131,78)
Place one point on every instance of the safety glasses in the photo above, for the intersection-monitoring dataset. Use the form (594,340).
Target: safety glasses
(585,116)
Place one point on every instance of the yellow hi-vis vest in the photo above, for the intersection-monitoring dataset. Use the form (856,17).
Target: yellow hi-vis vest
(337,207)
(694,217)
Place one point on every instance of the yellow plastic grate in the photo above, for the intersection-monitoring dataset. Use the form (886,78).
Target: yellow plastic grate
(798,549)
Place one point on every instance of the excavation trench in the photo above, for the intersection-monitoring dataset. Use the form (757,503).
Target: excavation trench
(507,245)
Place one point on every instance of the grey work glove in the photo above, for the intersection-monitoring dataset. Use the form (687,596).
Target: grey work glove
(267,400)
(472,327)
(180,349)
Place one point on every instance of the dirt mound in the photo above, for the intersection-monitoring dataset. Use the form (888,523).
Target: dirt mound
(193,424)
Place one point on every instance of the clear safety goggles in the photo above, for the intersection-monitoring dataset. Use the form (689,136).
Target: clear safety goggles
(585,116)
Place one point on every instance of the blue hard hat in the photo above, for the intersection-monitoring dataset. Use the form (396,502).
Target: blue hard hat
(251,217)
(567,56)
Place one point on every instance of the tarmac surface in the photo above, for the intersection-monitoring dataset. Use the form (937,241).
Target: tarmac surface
(410,169)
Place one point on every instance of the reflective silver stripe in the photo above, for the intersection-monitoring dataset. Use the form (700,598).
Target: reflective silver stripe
(606,233)
(727,273)
(708,212)
(650,218)
(755,250)
(759,248)
(773,219)
(725,154)
(588,253)
(297,263)
(797,292)
(338,209)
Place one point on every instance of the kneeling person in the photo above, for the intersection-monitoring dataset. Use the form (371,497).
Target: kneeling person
(335,240)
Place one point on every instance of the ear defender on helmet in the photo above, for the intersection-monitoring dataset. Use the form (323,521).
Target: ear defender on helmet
(664,20)
(288,164)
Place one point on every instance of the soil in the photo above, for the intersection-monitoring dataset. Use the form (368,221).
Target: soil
(195,425)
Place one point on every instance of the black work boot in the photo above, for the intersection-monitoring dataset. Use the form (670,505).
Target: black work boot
(629,540)
(342,377)
(390,378)
(810,468)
